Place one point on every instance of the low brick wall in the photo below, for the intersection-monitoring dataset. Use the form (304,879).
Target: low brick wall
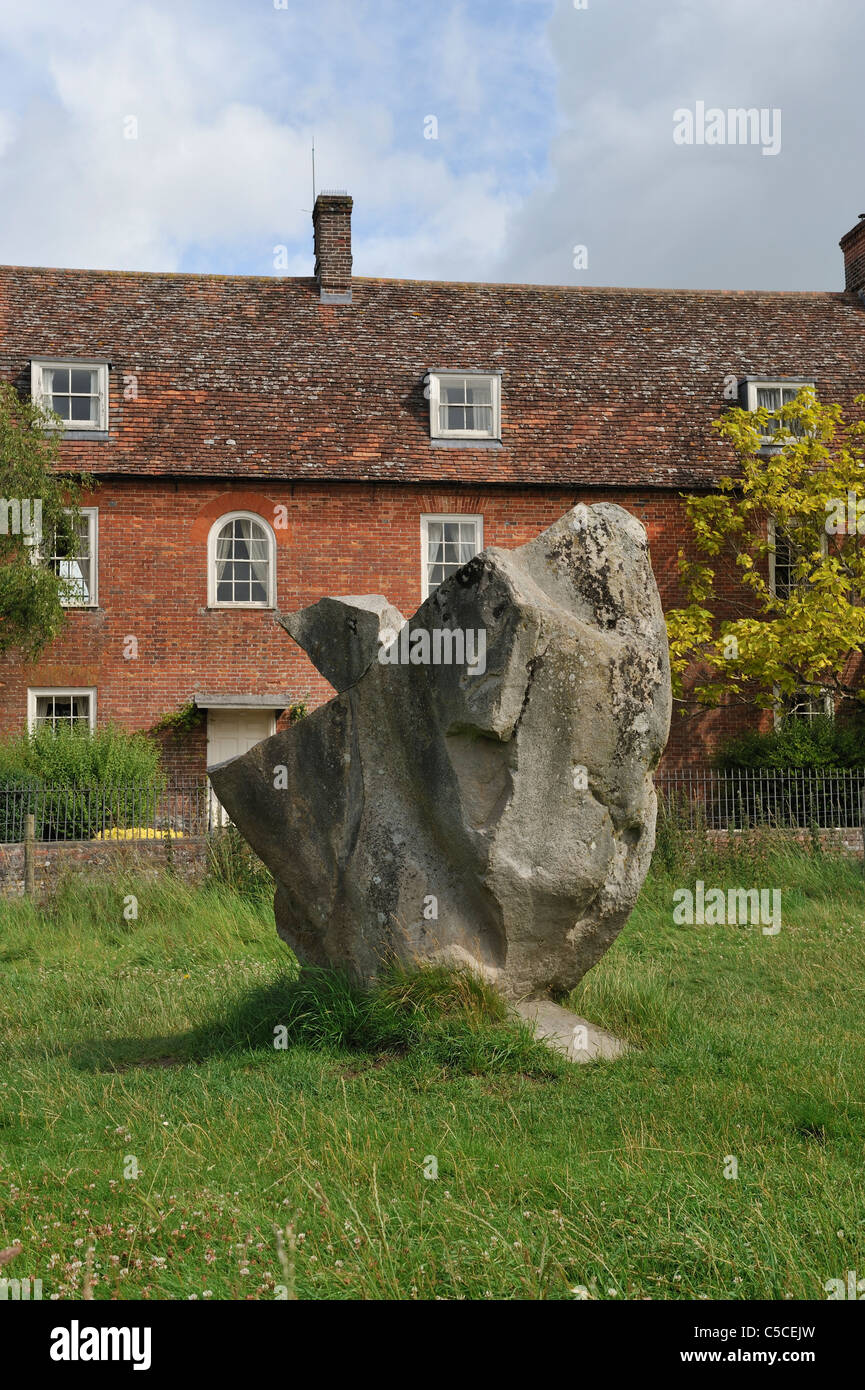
(53,861)
(850,838)
(188,857)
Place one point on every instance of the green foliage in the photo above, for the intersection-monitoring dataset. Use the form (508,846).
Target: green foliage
(820,742)
(31,594)
(78,783)
(179,721)
(233,864)
(109,757)
(800,639)
(298,710)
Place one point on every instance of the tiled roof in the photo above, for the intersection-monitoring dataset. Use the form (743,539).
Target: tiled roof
(253,377)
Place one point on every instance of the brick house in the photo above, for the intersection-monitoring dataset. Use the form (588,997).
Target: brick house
(260,442)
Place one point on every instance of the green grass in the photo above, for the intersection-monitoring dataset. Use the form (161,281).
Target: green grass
(153,1040)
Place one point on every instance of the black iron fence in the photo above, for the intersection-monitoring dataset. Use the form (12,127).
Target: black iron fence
(126,812)
(799,799)
(698,797)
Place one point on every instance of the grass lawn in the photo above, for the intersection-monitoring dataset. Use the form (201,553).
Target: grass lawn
(151,1043)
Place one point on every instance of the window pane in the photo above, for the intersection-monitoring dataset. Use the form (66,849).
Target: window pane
(242,562)
(72,562)
(479,418)
(479,395)
(783,566)
(63,711)
(83,408)
(82,382)
(769,397)
(466,405)
(57,379)
(81,708)
(76,577)
(60,405)
(458,544)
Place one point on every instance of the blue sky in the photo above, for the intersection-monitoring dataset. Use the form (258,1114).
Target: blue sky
(554,129)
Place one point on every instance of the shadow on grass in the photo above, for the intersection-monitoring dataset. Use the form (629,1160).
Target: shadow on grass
(449,1018)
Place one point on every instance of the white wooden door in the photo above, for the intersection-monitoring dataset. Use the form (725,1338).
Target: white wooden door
(231,732)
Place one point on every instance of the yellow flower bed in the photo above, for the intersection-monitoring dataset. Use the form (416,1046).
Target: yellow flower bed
(139,832)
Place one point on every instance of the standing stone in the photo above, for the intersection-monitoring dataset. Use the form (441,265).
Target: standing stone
(342,636)
(496,808)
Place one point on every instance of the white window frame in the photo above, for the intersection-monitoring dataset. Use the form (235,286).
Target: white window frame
(425,520)
(491,379)
(34,693)
(92,517)
(212,601)
(41,397)
(778,712)
(754,384)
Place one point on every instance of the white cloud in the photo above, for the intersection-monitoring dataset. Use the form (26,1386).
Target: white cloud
(555,129)
(220,169)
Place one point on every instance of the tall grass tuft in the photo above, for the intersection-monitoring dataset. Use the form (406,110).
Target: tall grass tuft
(233,864)
(440,1015)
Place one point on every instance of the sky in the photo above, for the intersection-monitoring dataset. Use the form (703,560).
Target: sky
(532,141)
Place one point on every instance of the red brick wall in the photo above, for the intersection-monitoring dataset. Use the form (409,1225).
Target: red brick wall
(340,539)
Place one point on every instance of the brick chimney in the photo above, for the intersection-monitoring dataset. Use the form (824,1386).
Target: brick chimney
(331,222)
(853,246)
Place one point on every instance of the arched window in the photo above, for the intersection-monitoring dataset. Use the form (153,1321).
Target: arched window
(240,562)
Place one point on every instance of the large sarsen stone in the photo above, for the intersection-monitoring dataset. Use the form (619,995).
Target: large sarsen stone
(481,792)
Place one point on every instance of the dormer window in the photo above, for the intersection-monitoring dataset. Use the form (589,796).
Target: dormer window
(771,395)
(76,391)
(465,405)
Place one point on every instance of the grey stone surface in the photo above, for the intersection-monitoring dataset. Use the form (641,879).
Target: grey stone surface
(342,635)
(566,1032)
(504,818)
